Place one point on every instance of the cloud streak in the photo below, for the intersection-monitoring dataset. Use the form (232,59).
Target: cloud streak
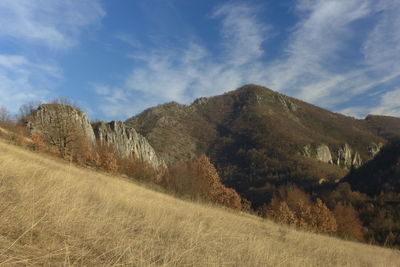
(56,23)
(21,78)
(191,71)
(320,64)
(44,26)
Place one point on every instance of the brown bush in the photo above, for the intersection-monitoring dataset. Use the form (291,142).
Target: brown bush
(292,206)
(105,157)
(199,179)
(281,213)
(323,219)
(348,223)
(108,161)
(38,141)
(137,169)
(83,152)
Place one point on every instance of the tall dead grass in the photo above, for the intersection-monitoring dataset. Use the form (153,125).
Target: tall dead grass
(54,214)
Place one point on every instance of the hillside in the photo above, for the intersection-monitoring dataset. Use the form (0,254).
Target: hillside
(259,139)
(382,174)
(384,126)
(55,214)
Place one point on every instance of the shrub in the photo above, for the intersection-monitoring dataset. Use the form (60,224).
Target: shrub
(292,206)
(37,141)
(348,223)
(137,169)
(105,157)
(199,179)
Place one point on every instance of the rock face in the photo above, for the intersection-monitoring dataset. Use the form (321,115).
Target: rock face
(374,149)
(320,152)
(348,158)
(49,116)
(344,157)
(127,142)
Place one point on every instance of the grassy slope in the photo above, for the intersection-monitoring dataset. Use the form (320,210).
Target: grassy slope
(54,214)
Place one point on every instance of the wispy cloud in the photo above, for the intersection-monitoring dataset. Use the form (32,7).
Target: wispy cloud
(325,30)
(22,80)
(327,60)
(190,71)
(243,35)
(55,23)
(128,39)
(389,104)
(44,26)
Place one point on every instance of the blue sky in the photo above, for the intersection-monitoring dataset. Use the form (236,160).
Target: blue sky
(116,58)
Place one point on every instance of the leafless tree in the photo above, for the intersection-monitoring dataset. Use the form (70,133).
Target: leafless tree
(65,101)
(4,115)
(59,127)
(27,109)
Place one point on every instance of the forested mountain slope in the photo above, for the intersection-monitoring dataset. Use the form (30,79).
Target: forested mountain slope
(258,138)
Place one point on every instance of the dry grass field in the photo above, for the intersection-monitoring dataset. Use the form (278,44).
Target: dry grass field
(54,214)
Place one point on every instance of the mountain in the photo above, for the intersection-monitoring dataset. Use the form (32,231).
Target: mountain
(259,139)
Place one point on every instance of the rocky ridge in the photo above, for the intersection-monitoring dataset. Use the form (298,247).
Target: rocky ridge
(344,156)
(127,142)
(48,116)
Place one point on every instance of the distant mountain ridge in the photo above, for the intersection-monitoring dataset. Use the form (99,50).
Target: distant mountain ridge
(258,137)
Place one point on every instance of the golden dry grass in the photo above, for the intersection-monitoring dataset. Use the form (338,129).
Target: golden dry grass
(53,214)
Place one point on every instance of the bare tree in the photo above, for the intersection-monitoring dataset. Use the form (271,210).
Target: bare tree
(65,101)
(4,115)
(27,109)
(58,126)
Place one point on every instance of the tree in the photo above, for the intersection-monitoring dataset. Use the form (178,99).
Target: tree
(37,142)
(348,223)
(62,100)
(27,109)
(292,206)
(323,219)
(58,126)
(200,179)
(4,115)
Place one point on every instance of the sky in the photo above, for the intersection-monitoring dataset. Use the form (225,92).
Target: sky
(115,58)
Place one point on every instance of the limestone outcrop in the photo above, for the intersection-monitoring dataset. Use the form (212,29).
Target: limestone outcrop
(49,119)
(319,152)
(58,117)
(348,158)
(344,157)
(126,141)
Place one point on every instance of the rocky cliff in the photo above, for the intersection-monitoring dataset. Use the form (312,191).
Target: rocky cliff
(57,117)
(127,142)
(50,119)
(344,156)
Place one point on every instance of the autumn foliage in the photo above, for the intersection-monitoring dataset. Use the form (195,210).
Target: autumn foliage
(38,141)
(199,179)
(137,169)
(349,225)
(292,206)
